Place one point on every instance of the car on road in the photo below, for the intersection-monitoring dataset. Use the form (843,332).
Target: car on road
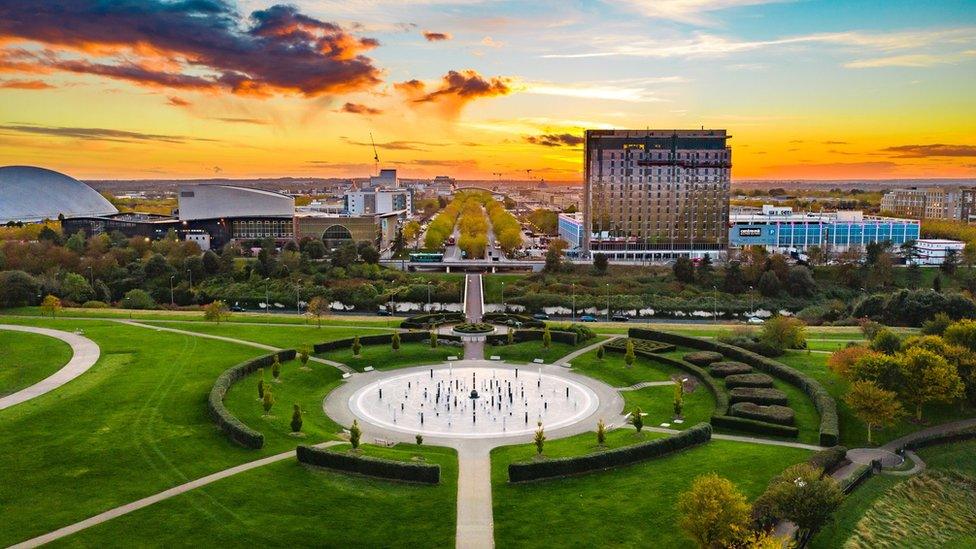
(587,318)
(540,316)
(620,318)
(235,308)
(383,312)
(755,320)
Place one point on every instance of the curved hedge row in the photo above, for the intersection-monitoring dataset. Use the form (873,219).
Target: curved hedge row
(755,426)
(825,404)
(782,415)
(759,395)
(505,318)
(966,433)
(370,466)
(421,322)
(520,336)
(228,423)
(748,380)
(376,339)
(560,467)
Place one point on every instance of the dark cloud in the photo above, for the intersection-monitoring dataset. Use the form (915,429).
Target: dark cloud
(356,108)
(189,44)
(456,89)
(410,86)
(25,85)
(937,149)
(436,36)
(177,101)
(555,140)
(97,134)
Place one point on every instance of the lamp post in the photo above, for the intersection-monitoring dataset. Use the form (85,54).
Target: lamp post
(267,296)
(714,303)
(608,302)
(504,304)
(428,296)
(574,302)
(298,299)
(189,273)
(91,276)
(171,302)
(752,298)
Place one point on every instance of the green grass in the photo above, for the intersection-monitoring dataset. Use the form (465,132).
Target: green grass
(495,283)
(28,358)
(527,351)
(279,336)
(383,357)
(630,506)
(288,504)
(658,404)
(845,518)
(197,316)
(614,371)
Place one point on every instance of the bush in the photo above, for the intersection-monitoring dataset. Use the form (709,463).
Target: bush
(94,304)
(755,426)
(619,345)
(474,328)
(828,459)
(138,299)
(758,395)
(235,428)
(702,358)
(420,322)
(757,346)
(583,333)
(727,368)
(535,470)
(378,339)
(780,415)
(370,466)
(510,319)
(748,380)
(519,336)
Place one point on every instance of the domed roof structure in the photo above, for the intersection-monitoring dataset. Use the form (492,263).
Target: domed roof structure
(33,194)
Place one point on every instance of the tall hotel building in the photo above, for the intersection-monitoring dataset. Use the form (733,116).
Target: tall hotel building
(654,194)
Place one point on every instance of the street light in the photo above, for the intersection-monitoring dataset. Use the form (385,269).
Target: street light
(428,296)
(298,299)
(504,304)
(574,302)
(714,303)
(190,274)
(608,302)
(171,302)
(267,296)
(91,275)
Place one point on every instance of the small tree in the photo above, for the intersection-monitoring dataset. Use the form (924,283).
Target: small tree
(540,439)
(268,400)
(276,368)
(51,305)
(629,356)
(637,419)
(600,352)
(842,360)
(296,419)
(420,439)
(546,338)
(318,307)
(261,383)
(937,284)
(784,332)
(712,511)
(801,495)
(215,311)
(433,339)
(354,434)
(927,377)
(886,342)
(600,262)
(684,270)
(395,341)
(679,396)
(769,284)
(303,354)
(511,336)
(356,346)
(601,432)
(873,405)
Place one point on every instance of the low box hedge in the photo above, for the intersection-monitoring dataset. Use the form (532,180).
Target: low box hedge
(620,345)
(758,395)
(560,467)
(702,358)
(226,421)
(755,426)
(728,368)
(935,439)
(825,404)
(781,415)
(376,339)
(421,322)
(370,466)
(525,321)
(520,336)
(748,380)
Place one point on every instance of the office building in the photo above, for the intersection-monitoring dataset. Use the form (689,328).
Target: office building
(379,200)
(933,251)
(656,194)
(930,203)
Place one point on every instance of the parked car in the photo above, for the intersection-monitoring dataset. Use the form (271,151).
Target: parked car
(383,312)
(236,308)
(620,318)
(540,316)
(755,320)
(587,318)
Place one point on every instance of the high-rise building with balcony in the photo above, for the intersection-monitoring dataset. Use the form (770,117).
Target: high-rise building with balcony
(656,194)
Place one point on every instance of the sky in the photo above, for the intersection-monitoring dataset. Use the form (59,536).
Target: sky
(153,89)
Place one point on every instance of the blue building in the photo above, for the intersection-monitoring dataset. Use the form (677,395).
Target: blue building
(781,230)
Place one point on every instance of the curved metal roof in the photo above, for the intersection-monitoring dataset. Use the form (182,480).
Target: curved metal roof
(32,194)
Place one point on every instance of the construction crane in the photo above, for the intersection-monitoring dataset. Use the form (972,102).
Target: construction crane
(528,174)
(376,155)
(498,175)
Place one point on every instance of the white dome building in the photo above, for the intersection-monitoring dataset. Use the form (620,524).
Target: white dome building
(31,194)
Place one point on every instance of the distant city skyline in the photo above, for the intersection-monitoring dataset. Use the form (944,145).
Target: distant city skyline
(471,89)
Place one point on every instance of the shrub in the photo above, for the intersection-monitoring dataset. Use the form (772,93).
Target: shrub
(936,325)
(433,339)
(356,346)
(370,466)
(620,345)
(138,299)
(601,432)
(780,415)
(268,401)
(94,304)
(519,336)
(757,395)
(354,434)
(419,438)
(427,321)
(748,380)
(535,470)
(783,332)
(702,358)
(395,341)
(474,328)
(637,419)
(296,419)
(629,356)
(583,332)
(511,319)
(600,351)
(276,368)
(842,361)
(728,368)
(828,459)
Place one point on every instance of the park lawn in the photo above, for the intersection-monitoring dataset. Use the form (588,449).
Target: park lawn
(133,425)
(527,351)
(853,433)
(494,284)
(285,337)
(197,316)
(383,357)
(631,506)
(307,388)
(658,405)
(287,504)
(613,370)
(28,358)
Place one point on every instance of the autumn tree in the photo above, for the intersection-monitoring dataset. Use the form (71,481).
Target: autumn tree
(215,311)
(873,405)
(318,307)
(539,440)
(629,356)
(712,511)
(801,495)
(842,361)
(928,377)
(51,305)
(395,341)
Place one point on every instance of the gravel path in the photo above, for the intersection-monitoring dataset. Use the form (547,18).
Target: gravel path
(85,353)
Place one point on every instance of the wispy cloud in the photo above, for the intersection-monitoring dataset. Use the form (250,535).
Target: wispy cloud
(432,36)
(686,11)
(934,150)
(25,85)
(638,90)
(556,140)
(98,134)
(357,108)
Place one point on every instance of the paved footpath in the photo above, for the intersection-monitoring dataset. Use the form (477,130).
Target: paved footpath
(156,498)
(85,353)
(262,346)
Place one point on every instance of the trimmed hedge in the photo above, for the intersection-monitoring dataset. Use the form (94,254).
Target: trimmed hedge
(748,380)
(828,459)
(781,415)
(728,368)
(376,339)
(703,358)
(755,426)
(826,405)
(620,345)
(370,466)
(228,423)
(560,467)
(935,439)
(474,328)
(506,318)
(435,319)
(759,395)
(520,336)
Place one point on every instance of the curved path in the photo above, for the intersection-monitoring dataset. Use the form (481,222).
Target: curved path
(85,353)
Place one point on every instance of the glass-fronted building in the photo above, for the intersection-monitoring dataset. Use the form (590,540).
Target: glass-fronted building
(782,230)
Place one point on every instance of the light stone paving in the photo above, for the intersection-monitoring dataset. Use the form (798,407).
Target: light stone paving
(85,353)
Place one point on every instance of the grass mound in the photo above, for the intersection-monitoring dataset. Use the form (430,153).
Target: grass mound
(748,380)
(702,358)
(728,368)
(934,509)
